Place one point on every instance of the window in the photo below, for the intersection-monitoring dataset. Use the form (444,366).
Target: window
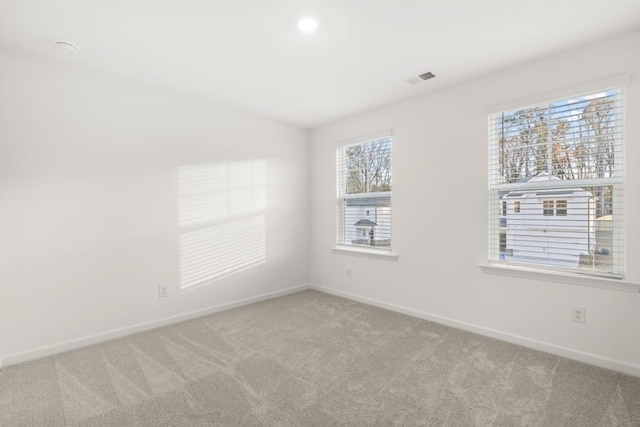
(547,208)
(554,207)
(560,164)
(364,193)
(561,208)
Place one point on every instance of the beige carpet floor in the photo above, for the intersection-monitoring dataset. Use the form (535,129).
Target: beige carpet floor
(311,359)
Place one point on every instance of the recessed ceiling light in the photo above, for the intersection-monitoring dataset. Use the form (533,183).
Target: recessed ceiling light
(307,24)
(69,47)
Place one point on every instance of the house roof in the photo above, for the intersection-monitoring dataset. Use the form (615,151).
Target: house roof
(548,193)
(365,223)
(543,177)
(559,192)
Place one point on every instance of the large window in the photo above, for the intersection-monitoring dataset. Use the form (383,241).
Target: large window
(556,184)
(364,193)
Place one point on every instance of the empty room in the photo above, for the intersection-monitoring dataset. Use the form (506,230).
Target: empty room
(320,213)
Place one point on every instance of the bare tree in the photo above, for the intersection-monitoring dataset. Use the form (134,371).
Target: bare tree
(369,167)
(599,118)
(568,141)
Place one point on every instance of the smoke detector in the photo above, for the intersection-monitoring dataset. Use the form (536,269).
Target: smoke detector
(66,46)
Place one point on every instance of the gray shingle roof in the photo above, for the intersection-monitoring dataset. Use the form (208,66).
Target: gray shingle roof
(365,223)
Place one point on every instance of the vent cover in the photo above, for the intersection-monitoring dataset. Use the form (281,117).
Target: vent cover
(422,77)
(426,76)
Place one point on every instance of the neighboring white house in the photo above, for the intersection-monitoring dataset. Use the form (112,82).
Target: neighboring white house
(368,221)
(549,226)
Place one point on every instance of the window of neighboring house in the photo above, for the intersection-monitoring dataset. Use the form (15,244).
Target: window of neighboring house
(504,208)
(561,208)
(554,207)
(364,193)
(563,160)
(547,208)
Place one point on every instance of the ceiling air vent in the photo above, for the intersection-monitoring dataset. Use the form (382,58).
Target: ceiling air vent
(425,76)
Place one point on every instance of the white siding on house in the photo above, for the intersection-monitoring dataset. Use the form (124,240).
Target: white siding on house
(557,239)
(376,210)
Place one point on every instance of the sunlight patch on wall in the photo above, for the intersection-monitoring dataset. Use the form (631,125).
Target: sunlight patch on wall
(222,220)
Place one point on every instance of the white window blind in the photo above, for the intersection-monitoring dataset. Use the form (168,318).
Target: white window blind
(556,184)
(364,193)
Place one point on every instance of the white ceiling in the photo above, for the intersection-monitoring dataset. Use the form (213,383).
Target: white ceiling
(250,56)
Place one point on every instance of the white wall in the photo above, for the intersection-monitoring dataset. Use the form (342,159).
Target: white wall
(440,184)
(89,203)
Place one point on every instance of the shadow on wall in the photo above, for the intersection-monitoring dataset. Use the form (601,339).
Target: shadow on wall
(221,211)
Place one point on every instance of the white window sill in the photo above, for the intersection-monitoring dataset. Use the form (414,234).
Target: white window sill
(367,253)
(553,276)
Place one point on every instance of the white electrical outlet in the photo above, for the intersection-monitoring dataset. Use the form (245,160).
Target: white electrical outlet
(162,291)
(577,314)
(349,273)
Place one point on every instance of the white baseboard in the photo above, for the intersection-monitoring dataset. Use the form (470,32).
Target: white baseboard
(13,359)
(569,353)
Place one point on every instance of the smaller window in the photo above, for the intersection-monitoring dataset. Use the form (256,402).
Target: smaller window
(504,208)
(516,207)
(561,208)
(547,207)
(363,175)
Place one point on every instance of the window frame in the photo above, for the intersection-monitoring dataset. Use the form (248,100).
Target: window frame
(342,196)
(617,183)
(565,210)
